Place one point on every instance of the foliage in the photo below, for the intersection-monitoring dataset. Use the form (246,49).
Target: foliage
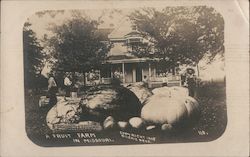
(33,56)
(51,13)
(180,34)
(77,46)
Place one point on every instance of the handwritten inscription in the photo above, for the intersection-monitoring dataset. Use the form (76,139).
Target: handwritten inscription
(138,138)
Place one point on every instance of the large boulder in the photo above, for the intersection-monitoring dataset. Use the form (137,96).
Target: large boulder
(64,112)
(67,115)
(169,105)
(107,100)
(140,90)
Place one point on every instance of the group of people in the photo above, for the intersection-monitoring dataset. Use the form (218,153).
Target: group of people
(53,88)
(188,79)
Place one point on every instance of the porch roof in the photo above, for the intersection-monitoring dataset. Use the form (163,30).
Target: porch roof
(130,60)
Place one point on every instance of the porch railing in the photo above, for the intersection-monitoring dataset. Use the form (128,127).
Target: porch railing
(172,80)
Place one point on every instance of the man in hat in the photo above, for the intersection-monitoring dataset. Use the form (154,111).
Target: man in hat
(52,89)
(67,84)
(191,81)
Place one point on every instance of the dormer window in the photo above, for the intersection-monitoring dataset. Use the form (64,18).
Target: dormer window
(134,40)
(134,27)
(134,36)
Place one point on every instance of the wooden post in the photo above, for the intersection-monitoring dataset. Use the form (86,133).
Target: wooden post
(99,73)
(84,79)
(149,71)
(123,72)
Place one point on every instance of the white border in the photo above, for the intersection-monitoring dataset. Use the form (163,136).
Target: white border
(14,142)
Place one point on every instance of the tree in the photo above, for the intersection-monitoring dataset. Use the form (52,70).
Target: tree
(33,56)
(77,45)
(181,35)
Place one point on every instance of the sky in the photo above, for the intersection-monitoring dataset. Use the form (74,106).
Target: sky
(111,18)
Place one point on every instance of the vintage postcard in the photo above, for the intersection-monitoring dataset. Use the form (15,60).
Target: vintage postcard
(127,73)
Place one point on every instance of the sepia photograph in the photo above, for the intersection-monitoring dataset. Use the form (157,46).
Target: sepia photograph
(124,76)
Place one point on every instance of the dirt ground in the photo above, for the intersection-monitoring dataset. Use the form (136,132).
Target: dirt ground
(210,126)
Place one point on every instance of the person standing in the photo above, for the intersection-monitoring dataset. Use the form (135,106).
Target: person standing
(191,82)
(52,89)
(183,79)
(67,84)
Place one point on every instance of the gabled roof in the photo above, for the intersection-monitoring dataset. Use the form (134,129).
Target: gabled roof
(123,29)
(119,57)
(118,48)
(134,33)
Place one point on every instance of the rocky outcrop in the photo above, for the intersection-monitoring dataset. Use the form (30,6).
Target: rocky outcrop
(107,100)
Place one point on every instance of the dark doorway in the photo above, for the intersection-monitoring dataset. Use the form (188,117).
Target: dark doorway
(128,73)
(138,74)
(106,71)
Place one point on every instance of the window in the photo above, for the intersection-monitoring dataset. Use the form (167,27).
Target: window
(134,40)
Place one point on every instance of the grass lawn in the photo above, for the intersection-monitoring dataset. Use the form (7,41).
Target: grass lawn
(213,121)
(211,125)
(213,116)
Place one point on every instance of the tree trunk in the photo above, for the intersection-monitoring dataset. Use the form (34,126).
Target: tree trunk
(198,71)
(173,70)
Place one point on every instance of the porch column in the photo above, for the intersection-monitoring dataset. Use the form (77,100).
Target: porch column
(100,79)
(154,74)
(111,73)
(134,73)
(142,74)
(123,72)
